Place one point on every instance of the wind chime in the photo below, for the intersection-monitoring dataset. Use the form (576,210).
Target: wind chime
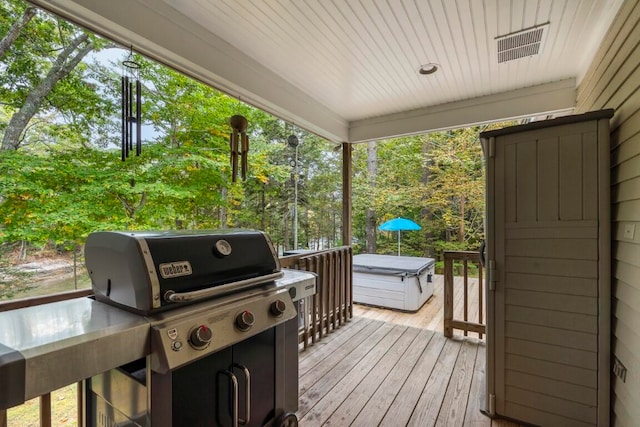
(239,146)
(131,106)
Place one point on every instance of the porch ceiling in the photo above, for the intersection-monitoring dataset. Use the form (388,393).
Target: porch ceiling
(347,69)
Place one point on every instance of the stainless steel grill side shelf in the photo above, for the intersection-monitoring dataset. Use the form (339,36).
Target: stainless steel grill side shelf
(45,347)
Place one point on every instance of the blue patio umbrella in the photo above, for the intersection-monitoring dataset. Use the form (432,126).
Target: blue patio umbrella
(399,224)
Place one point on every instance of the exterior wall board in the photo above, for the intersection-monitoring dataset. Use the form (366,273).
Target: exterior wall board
(613,81)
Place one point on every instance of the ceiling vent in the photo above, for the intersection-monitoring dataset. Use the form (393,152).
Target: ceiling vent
(521,44)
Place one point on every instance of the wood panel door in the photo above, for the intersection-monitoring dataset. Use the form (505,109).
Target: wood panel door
(548,253)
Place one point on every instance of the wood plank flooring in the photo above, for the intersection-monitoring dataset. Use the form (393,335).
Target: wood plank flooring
(391,368)
(370,372)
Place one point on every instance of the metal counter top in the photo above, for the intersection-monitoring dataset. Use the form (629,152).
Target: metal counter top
(46,347)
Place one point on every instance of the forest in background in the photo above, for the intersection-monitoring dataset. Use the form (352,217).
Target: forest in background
(61,176)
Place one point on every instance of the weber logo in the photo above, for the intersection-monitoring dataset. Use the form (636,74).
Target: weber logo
(175,269)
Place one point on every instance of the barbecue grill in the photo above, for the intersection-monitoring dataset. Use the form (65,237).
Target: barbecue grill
(186,329)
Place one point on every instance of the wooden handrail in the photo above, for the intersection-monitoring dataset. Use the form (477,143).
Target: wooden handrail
(45,299)
(450,257)
(332,305)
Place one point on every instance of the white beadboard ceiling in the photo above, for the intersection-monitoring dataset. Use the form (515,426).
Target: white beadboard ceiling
(347,69)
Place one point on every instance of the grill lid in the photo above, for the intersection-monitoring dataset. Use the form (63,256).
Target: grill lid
(151,270)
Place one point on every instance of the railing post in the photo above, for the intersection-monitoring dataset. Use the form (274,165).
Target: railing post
(3,418)
(448,296)
(350,279)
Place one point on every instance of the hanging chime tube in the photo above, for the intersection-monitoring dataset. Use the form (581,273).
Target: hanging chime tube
(123,114)
(131,93)
(245,152)
(138,118)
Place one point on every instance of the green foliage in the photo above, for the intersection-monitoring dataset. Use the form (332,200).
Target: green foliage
(437,180)
(72,109)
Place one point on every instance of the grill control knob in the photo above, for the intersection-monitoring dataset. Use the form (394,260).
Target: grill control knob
(245,320)
(277,308)
(200,337)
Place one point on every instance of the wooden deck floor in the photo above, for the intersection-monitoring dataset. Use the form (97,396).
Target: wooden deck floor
(389,368)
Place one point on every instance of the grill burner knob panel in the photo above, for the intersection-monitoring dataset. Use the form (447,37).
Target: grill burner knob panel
(245,320)
(278,307)
(231,319)
(200,337)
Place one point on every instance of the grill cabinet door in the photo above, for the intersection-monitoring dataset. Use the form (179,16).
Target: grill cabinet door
(548,235)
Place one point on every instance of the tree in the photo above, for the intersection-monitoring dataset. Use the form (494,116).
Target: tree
(15,29)
(372,171)
(456,190)
(41,76)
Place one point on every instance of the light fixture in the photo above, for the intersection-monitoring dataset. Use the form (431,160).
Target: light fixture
(428,68)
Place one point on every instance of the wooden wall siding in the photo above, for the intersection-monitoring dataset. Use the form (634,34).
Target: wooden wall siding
(613,81)
(550,291)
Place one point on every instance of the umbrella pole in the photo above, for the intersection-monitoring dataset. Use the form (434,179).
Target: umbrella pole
(398,242)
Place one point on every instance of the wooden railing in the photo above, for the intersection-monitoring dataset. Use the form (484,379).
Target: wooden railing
(332,305)
(464,324)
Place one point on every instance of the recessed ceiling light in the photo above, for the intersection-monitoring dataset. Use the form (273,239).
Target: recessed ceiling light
(429,68)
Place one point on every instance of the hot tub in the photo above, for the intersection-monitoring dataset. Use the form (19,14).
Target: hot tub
(399,282)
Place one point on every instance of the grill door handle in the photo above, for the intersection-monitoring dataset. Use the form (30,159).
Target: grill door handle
(234,397)
(247,394)
(172,296)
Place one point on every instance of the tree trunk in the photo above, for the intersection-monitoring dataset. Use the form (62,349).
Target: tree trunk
(223,208)
(15,30)
(263,213)
(372,173)
(62,66)
(130,208)
(426,212)
(285,230)
(307,230)
(461,229)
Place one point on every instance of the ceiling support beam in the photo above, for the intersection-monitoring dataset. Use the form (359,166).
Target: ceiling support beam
(534,100)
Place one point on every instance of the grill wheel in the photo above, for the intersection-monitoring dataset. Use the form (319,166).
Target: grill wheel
(286,420)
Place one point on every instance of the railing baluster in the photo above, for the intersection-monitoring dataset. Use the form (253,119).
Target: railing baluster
(480,298)
(3,418)
(448,296)
(332,291)
(350,279)
(322,266)
(314,305)
(339,277)
(80,402)
(45,410)
(466,294)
